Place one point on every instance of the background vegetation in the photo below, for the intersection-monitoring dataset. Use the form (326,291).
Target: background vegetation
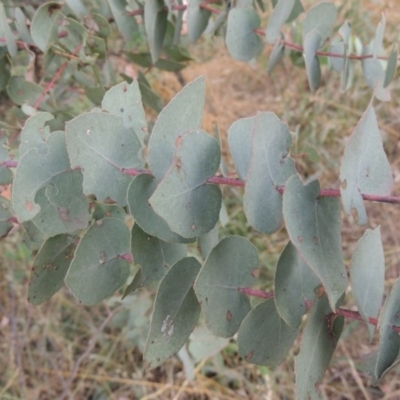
(63,350)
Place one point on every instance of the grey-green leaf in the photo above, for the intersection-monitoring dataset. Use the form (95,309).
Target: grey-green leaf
(125,101)
(22,91)
(368,276)
(176,311)
(35,133)
(264,338)
(103,210)
(240,143)
(242,42)
(7,33)
(140,190)
(32,236)
(365,168)
(391,67)
(155,22)
(47,15)
(270,167)
(50,267)
(321,19)
(63,206)
(97,269)
(197,19)
(5,215)
(153,255)
(378,40)
(389,340)
(125,22)
(183,113)
(36,170)
(276,54)
(230,264)
(312,42)
(374,74)
(314,227)
(319,341)
(102,147)
(295,284)
(279,16)
(207,242)
(184,199)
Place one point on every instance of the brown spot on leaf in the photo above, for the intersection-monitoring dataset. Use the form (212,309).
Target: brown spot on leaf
(255,272)
(124,88)
(178,163)
(229,315)
(249,356)
(315,238)
(29,205)
(193,227)
(320,291)
(300,239)
(178,141)
(63,213)
(52,8)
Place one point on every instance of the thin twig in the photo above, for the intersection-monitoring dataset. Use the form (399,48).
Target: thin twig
(89,348)
(340,311)
(57,76)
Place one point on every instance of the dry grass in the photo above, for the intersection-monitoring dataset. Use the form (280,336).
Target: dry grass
(64,351)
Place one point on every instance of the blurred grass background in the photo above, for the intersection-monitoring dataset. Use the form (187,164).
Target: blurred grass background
(61,350)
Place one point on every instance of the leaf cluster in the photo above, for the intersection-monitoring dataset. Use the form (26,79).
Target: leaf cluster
(99,192)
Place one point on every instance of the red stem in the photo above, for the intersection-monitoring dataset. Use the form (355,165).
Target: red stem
(57,76)
(221,180)
(340,311)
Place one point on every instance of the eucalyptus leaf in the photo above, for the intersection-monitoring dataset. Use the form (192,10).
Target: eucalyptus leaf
(264,338)
(365,168)
(36,170)
(231,264)
(125,101)
(98,270)
(189,105)
(155,22)
(153,255)
(47,15)
(314,225)
(295,285)
(126,24)
(50,267)
(319,341)
(184,199)
(5,215)
(102,156)
(22,91)
(197,19)
(270,167)
(240,143)
(7,33)
(242,42)
(140,190)
(279,16)
(176,311)
(368,276)
(389,339)
(391,67)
